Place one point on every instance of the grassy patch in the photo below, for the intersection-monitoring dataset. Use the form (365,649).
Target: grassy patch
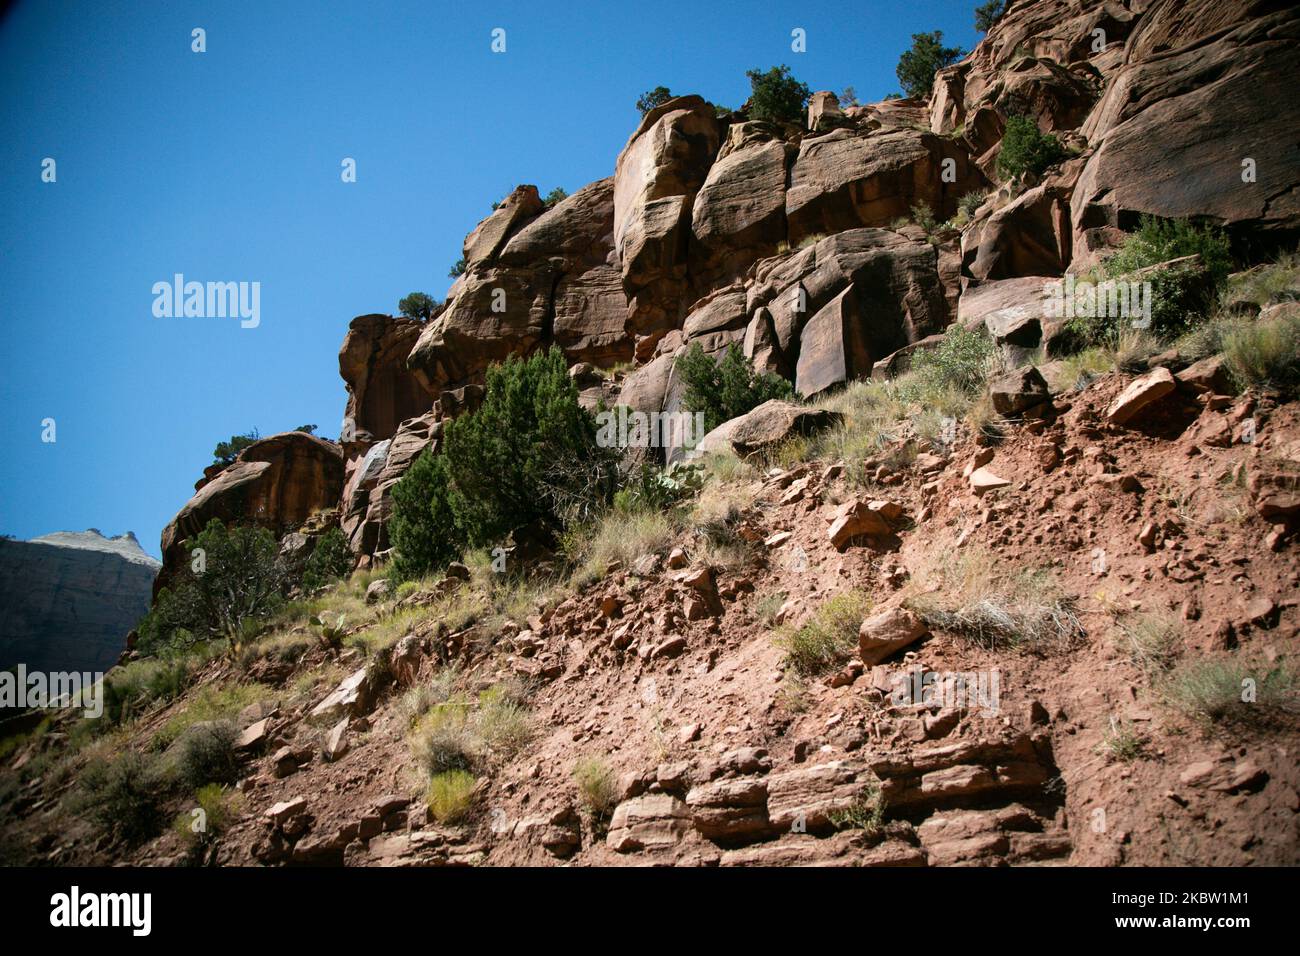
(451,796)
(829,638)
(212,702)
(597,789)
(1231,689)
(866,814)
(1152,641)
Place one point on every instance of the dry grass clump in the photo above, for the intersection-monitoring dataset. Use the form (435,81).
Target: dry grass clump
(829,638)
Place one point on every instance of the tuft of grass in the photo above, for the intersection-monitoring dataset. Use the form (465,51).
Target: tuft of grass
(1122,742)
(501,721)
(766,607)
(451,796)
(1268,283)
(1231,689)
(597,788)
(619,536)
(970,594)
(1151,640)
(218,806)
(1265,354)
(829,638)
(867,813)
(208,704)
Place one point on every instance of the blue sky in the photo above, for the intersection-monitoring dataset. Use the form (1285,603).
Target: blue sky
(225,166)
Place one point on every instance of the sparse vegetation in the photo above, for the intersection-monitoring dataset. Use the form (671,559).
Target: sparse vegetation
(123,796)
(971,595)
(207,754)
(962,362)
(218,806)
(329,561)
(867,813)
(829,638)
(458,267)
(987,14)
(1122,742)
(554,197)
(1151,640)
(1231,689)
(227,451)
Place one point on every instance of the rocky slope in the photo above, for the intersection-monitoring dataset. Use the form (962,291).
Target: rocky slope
(70,599)
(1116,545)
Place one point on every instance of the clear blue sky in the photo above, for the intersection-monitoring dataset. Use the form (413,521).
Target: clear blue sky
(225,166)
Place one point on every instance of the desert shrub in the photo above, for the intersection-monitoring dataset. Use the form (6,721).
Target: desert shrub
(653,98)
(123,796)
(451,796)
(460,265)
(961,362)
(1025,148)
(328,561)
(1264,353)
(554,197)
(234,576)
(228,451)
(829,638)
(1152,641)
(417,305)
(130,690)
(501,721)
(725,389)
(918,65)
(444,740)
(527,456)
(969,203)
(1159,240)
(1122,742)
(206,754)
(775,95)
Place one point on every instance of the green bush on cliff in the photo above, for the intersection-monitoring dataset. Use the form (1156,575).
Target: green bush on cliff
(417,305)
(1027,149)
(228,451)
(232,577)
(328,561)
(527,457)
(652,99)
(725,389)
(776,95)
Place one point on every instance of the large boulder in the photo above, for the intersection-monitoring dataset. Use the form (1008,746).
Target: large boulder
(767,426)
(277,483)
(491,234)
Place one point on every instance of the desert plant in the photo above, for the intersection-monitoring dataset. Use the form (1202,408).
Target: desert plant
(866,813)
(458,267)
(554,197)
(1159,240)
(217,808)
(1151,640)
(123,796)
(1025,148)
(207,754)
(444,740)
(1122,742)
(962,361)
(776,96)
(1265,353)
(987,14)
(724,389)
(1231,689)
(417,305)
(918,65)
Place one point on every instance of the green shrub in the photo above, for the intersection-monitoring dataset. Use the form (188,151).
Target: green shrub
(969,203)
(228,451)
(653,98)
(527,457)
(123,796)
(328,561)
(725,389)
(1159,240)
(417,305)
(829,638)
(459,266)
(555,197)
(917,66)
(1026,149)
(1221,689)
(443,739)
(219,808)
(207,754)
(961,362)
(130,690)
(777,96)
(451,796)
(233,576)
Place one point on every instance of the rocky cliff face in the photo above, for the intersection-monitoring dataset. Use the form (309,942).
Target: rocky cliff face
(70,599)
(791,240)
